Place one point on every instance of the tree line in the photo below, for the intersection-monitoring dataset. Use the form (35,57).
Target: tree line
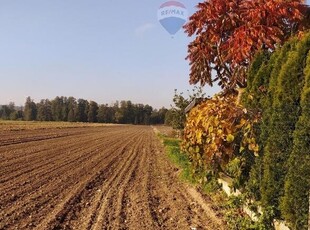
(80,110)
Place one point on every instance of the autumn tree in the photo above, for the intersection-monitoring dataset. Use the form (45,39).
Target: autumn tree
(228,33)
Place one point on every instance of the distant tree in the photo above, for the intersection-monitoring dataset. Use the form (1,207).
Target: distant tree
(9,112)
(158,116)
(147,114)
(126,112)
(177,114)
(169,117)
(92,112)
(57,108)
(14,115)
(40,111)
(18,114)
(178,110)
(154,119)
(5,112)
(64,109)
(118,117)
(161,115)
(11,107)
(123,112)
(139,114)
(72,107)
(30,110)
(129,113)
(106,114)
(44,110)
(81,113)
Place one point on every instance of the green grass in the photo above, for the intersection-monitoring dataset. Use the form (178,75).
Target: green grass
(176,156)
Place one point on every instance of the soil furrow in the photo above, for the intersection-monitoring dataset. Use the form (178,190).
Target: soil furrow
(113,177)
(110,192)
(83,198)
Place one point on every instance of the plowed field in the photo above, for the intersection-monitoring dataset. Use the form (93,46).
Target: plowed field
(113,177)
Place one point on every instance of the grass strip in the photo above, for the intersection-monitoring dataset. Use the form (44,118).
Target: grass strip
(177,157)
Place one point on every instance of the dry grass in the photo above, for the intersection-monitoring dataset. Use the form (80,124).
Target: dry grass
(37,125)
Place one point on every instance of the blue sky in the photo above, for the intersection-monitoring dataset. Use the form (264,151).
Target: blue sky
(100,50)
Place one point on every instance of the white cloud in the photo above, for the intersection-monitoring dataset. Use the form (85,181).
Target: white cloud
(139,31)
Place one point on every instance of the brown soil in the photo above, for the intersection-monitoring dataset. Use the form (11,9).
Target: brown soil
(114,177)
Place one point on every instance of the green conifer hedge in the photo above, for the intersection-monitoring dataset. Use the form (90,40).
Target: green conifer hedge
(295,203)
(279,88)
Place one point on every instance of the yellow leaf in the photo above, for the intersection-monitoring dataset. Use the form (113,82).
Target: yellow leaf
(241,149)
(230,138)
(198,136)
(197,150)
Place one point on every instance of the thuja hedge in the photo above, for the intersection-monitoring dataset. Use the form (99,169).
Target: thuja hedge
(295,203)
(278,88)
(259,95)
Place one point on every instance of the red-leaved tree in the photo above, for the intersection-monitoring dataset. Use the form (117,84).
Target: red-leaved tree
(230,32)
